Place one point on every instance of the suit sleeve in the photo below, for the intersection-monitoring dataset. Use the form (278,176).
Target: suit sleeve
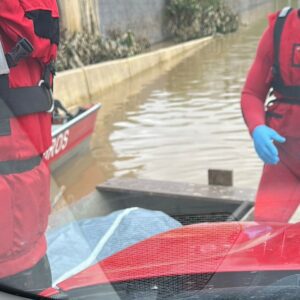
(258,83)
(15,25)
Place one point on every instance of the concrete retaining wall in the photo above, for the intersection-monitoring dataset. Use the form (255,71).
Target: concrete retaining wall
(79,86)
(244,6)
(79,15)
(144,17)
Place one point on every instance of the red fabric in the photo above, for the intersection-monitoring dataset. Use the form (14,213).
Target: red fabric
(13,26)
(259,77)
(290,40)
(24,211)
(24,203)
(278,194)
(258,82)
(279,190)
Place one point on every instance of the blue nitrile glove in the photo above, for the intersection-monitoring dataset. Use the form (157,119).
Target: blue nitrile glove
(263,137)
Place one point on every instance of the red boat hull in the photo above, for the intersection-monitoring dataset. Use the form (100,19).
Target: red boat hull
(198,249)
(67,138)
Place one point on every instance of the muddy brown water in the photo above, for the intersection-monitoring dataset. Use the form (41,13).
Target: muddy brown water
(174,123)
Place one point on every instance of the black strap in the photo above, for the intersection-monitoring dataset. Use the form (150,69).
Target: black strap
(22,50)
(19,166)
(271,114)
(5,111)
(26,101)
(278,83)
(279,26)
(15,102)
(289,101)
(49,72)
(59,106)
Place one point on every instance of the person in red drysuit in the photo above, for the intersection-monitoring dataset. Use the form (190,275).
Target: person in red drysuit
(277,66)
(24,137)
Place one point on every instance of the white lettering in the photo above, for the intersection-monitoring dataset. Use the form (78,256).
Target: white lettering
(66,140)
(59,144)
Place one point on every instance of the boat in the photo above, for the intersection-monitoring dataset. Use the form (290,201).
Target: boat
(218,250)
(201,261)
(71,133)
(211,256)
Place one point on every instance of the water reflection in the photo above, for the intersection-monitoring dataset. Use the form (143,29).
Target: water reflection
(174,123)
(190,119)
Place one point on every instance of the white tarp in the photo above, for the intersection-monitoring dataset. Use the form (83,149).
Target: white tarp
(79,245)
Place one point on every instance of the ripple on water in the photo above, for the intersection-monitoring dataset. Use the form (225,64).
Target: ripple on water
(188,120)
(193,122)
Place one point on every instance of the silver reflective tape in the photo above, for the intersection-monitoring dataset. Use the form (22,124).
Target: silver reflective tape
(284,12)
(4,69)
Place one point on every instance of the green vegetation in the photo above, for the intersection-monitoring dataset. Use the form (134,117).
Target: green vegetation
(191,19)
(186,20)
(82,49)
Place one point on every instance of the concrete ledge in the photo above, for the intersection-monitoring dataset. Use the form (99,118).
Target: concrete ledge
(143,62)
(71,87)
(79,86)
(105,75)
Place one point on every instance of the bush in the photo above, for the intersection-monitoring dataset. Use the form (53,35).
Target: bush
(184,18)
(81,49)
(187,19)
(226,20)
(190,19)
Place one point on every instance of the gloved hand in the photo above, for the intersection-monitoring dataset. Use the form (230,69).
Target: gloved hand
(263,137)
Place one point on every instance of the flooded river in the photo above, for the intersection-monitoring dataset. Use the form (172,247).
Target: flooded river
(175,123)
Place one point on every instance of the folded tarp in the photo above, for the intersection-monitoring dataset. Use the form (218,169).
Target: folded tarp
(79,245)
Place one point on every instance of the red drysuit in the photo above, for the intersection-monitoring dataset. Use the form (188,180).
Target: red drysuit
(279,190)
(24,195)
